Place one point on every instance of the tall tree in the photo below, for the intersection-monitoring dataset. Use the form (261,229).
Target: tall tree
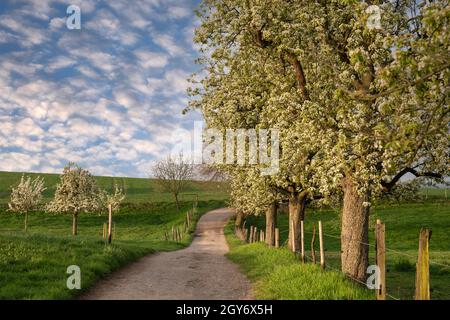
(370,103)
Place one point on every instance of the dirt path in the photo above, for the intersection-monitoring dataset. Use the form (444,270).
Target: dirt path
(200,271)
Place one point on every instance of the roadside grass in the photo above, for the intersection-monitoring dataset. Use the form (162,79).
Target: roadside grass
(137,190)
(403,223)
(33,265)
(278,275)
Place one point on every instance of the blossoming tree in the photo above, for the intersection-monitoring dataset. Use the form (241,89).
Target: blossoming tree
(26,197)
(76,192)
(360,105)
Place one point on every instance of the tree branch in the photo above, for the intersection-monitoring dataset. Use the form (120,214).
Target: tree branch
(387,186)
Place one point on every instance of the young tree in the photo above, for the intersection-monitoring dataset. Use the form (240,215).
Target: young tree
(173,174)
(26,197)
(370,102)
(76,192)
(106,199)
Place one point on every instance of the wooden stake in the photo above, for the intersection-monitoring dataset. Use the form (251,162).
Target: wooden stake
(380,256)
(313,241)
(110,224)
(277,238)
(250,238)
(255,230)
(423,266)
(302,240)
(321,246)
(294,249)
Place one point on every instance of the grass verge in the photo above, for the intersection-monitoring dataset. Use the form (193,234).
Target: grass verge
(278,275)
(403,224)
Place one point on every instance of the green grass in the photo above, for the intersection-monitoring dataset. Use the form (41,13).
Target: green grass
(403,223)
(137,190)
(278,275)
(33,265)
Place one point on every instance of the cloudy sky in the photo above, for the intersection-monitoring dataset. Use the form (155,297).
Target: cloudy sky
(108,97)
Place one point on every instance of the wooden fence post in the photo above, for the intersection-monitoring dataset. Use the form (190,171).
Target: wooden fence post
(294,249)
(250,236)
(321,246)
(423,266)
(313,241)
(380,256)
(255,231)
(109,223)
(277,238)
(302,240)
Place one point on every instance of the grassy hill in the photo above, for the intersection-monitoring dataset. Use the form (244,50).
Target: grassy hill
(33,264)
(137,190)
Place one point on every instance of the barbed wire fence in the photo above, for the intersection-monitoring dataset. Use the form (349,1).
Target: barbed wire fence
(422,284)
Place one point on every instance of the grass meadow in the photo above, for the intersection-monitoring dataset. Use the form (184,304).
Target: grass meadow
(275,278)
(33,264)
(138,190)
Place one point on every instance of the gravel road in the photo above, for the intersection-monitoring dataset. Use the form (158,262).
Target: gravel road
(199,272)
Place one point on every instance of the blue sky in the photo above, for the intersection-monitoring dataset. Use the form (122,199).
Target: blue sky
(108,97)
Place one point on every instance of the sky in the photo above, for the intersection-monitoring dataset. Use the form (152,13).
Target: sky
(108,96)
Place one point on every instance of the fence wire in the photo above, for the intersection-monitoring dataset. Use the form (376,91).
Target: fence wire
(413,257)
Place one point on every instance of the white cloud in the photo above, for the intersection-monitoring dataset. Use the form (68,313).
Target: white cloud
(167,42)
(57,23)
(60,62)
(148,59)
(15,161)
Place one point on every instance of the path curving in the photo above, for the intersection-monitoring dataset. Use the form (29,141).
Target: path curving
(199,272)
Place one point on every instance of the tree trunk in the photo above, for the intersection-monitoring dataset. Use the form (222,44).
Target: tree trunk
(297,205)
(354,234)
(176,200)
(302,209)
(271,224)
(239,218)
(25,226)
(75,223)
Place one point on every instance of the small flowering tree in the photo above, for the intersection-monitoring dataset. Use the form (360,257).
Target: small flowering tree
(77,192)
(26,196)
(114,199)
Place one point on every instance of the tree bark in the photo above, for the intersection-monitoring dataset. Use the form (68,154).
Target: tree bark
(354,234)
(239,218)
(271,224)
(26,222)
(176,200)
(297,205)
(75,223)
